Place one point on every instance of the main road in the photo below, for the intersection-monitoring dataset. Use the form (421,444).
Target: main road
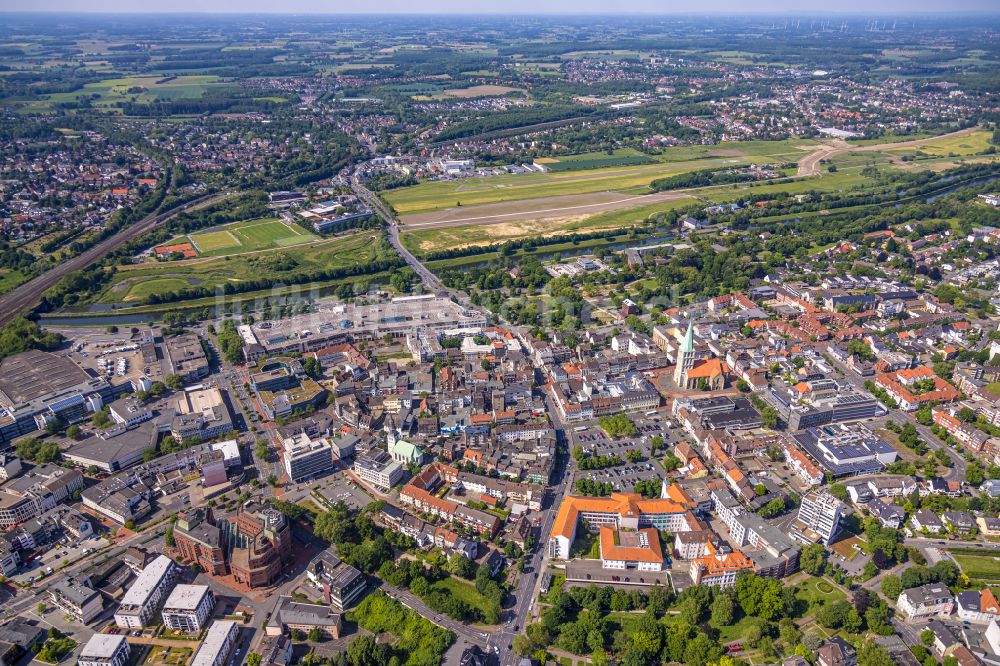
(500,642)
(29,294)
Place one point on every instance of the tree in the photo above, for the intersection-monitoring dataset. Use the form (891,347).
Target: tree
(168,537)
(174,382)
(871,653)
(722,610)
(812,559)
(312,367)
(253,659)
(74,431)
(364,651)
(315,635)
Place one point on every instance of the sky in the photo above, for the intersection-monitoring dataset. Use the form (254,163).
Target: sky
(869,7)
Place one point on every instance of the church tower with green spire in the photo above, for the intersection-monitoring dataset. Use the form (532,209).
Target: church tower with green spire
(685,358)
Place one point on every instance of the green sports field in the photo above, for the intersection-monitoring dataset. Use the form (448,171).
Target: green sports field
(250,236)
(133,283)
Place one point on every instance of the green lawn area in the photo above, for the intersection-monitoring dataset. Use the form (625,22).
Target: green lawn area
(586,544)
(464,591)
(248,236)
(993,388)
(211,241)
(817,592)
(9,279)
(438,195)
(134,282)
(977,565)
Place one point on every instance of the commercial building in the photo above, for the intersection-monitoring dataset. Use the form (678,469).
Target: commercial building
(200,413)
(307,458)
(76,599)
(261,542)
(37,387)
(188,608)
(199,541)
(350,323)
(639,550)
(818,403)
(930,600)
(819,517)
(282,387)
(342,584)
(773,552)
(149,589)
(15,510)
(104,650)
(621,511)
(378,469)
(186,357)
(846,451)
(218,644)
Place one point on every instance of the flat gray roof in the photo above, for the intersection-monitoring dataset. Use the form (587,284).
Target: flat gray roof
(32,374)
(101,646)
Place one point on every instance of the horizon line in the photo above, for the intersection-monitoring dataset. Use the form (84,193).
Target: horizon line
(217,12)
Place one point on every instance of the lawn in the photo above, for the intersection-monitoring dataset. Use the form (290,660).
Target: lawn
(817,592)
(976,565)
(134,282)
(586,544)
(211,241)
(9,279)
(248,236)
(994,388)
(463,591)
(970,144)
(438,195)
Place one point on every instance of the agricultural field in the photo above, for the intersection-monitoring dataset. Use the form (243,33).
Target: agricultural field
(135,282)
(479,91)
(976,564)
(243,237)
(141,89)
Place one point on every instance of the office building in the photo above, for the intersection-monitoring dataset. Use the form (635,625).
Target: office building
(342,584)
(186,357)
(142,600)
(375,467)
(719,569)
(290,615)
(307,458)
(188,608)
(200,413)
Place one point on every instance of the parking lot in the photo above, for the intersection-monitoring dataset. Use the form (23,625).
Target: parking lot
(336,488)
(54,556)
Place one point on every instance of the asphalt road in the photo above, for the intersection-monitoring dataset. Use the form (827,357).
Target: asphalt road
(30,293)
